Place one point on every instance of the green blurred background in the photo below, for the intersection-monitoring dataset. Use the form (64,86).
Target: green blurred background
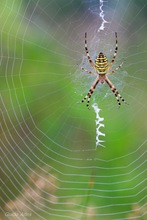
(47,139)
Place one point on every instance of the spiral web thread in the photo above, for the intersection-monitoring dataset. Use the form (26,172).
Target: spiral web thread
(42,180)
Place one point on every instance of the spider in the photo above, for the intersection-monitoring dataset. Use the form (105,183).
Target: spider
(101,67)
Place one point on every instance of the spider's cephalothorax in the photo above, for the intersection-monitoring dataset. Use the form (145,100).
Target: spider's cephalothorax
(101,67)
(101,63)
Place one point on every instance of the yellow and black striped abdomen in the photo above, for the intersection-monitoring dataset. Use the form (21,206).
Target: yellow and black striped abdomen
(101,63)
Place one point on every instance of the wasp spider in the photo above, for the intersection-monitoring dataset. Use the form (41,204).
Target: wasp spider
(101,68)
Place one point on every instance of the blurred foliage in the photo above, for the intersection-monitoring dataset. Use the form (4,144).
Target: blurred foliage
(35,79)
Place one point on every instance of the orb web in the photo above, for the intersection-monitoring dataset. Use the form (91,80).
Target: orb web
(51,167)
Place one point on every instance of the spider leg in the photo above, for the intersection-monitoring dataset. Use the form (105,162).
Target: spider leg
(113,71)
(87,53)
(89,71)
(116,93)
(91,91)
(115,52)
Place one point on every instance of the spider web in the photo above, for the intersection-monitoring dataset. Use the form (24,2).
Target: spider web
(51,167)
